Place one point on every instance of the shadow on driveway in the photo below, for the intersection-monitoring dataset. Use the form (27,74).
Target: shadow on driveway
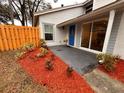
(80,60)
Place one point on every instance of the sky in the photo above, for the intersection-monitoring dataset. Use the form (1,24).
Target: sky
(65,2)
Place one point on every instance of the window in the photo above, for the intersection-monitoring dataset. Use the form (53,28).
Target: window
(98,35)
(93,34)
(48,31)
(89,6)
(86,35)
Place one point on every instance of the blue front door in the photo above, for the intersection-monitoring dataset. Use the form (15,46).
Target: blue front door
(71,35)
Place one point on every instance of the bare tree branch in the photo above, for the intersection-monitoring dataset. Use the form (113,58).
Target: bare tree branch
(16,4)
(16,12)
(34,5)
(38,5)
(23,10)
(20,2)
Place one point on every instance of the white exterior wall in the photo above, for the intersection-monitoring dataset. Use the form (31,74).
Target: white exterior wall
(56,18)
(100,3)
(119,44)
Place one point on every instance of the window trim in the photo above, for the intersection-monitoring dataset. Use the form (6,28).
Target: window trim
(47,32)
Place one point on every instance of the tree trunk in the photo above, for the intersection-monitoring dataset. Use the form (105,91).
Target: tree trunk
(23,14)
(11,12)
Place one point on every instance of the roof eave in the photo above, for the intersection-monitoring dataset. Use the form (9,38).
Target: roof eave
(61,8)
(94,13)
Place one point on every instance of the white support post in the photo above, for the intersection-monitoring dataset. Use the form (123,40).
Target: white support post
(75,40)
(109,29)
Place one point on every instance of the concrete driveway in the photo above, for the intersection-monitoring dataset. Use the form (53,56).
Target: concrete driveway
(80,60)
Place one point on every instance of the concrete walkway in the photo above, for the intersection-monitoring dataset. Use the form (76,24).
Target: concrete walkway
(102,83)
(80,60)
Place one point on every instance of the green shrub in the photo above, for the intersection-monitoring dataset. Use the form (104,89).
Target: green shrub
(23,50)
(42,43)
(69,71)
(49,64)
(100,56)
(29,47)
(66,40)
(109,61)
(117,57)
(42,53)
(39,55)
(19,55)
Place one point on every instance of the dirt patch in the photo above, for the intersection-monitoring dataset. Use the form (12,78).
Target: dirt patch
(13,79)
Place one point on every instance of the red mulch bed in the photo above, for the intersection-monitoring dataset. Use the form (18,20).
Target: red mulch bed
(118,73)
(57,80)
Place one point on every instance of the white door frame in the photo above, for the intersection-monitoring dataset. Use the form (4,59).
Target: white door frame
(75,40)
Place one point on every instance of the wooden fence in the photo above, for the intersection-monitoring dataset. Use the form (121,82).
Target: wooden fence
(13,37)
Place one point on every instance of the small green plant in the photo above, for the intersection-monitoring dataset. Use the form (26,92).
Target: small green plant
(49,64)
(108,61)
(28,47)
(52,57)
(100,56)
(117,58)
(66,40)
(69,71)
(39,55)
(19,55)
(42,53)
(42,43)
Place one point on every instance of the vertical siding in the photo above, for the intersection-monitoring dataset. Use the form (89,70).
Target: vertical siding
(114,32)
(100,3)
(119,44)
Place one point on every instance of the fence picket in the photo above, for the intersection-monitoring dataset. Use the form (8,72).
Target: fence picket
(13,37)
(6,47)
(8,37)
(1,41)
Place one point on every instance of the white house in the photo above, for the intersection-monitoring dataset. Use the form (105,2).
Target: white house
(95,26)
(49,19)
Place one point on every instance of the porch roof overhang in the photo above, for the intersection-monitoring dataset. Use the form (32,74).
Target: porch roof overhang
(104,11)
